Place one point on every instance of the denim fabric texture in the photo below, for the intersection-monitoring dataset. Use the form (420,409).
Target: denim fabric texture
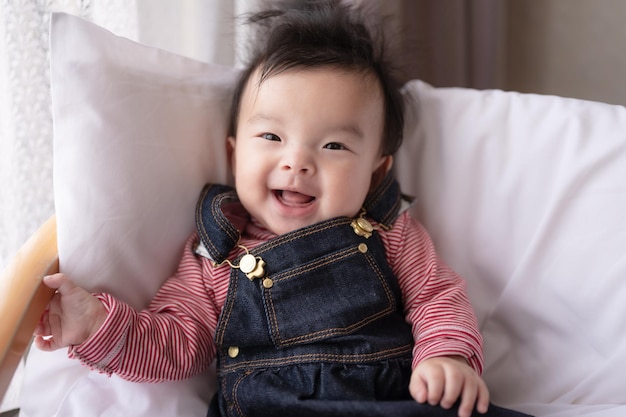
(327,336)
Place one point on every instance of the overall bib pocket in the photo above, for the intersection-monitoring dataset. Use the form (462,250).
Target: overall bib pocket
(298,305)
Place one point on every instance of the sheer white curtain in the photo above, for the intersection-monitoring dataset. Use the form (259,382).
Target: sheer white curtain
(25,118)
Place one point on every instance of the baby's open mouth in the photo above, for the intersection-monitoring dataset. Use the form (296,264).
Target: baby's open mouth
(293,198)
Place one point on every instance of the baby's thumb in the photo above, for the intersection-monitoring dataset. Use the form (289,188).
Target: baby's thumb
(58,282)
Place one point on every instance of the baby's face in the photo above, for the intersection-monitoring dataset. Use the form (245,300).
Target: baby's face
(308,142)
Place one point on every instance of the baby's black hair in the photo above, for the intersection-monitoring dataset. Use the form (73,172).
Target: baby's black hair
(317,34)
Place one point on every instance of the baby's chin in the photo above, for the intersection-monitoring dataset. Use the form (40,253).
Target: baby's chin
(281,229)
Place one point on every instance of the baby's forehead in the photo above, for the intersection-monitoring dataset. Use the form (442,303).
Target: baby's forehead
(319,86)
(262,74)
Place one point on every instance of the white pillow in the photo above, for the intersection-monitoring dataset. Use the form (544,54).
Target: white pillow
(137,133)
(525,196)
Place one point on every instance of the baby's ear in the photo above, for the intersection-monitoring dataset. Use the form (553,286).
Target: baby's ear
(385,164)
(230,152)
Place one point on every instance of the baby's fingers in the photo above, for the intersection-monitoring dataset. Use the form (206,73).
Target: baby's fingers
(427,384)
(475,394)
(46,343)
(418,388)
(43,327)
(482,403)
(468,399)
(59,282)
(44,333)
(453,390)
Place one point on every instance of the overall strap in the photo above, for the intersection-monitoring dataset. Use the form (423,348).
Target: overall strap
(383,203)
(216,231)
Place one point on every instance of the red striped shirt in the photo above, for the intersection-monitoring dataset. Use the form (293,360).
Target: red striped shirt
(174,337)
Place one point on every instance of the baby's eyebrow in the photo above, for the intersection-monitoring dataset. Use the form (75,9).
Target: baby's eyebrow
(258,117)
(350,129)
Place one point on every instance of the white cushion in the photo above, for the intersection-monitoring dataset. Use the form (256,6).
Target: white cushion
(525,196)
(137,133)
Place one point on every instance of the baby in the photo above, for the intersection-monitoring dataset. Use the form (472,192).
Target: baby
(309,282)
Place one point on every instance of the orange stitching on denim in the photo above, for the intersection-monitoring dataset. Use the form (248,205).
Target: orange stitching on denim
(309,337)
(233,285)
(370,259)
(318,263)
(379,191)
(286,238)
(272,316)
(388,219)
(234,396)
(321,334)
(321,357)
(221,220)
(270,301)
(373,199)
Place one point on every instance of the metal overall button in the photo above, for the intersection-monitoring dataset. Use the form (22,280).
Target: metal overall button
(253,267)
(233,351)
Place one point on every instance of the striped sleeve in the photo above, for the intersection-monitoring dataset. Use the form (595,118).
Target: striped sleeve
(434,297)
(173,338)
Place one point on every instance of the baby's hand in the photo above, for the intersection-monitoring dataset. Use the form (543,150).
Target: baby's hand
(443,380)
(72,316)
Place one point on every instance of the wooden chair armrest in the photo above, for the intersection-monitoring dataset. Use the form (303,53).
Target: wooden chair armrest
(23,297)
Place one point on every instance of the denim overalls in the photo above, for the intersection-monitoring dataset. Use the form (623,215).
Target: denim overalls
(319,329)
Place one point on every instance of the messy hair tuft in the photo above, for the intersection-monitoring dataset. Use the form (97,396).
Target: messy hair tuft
(316,34)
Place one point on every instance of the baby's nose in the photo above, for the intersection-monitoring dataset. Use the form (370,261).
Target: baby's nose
(298,161)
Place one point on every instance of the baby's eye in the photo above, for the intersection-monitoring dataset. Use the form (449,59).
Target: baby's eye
(334,146)
(270,136)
